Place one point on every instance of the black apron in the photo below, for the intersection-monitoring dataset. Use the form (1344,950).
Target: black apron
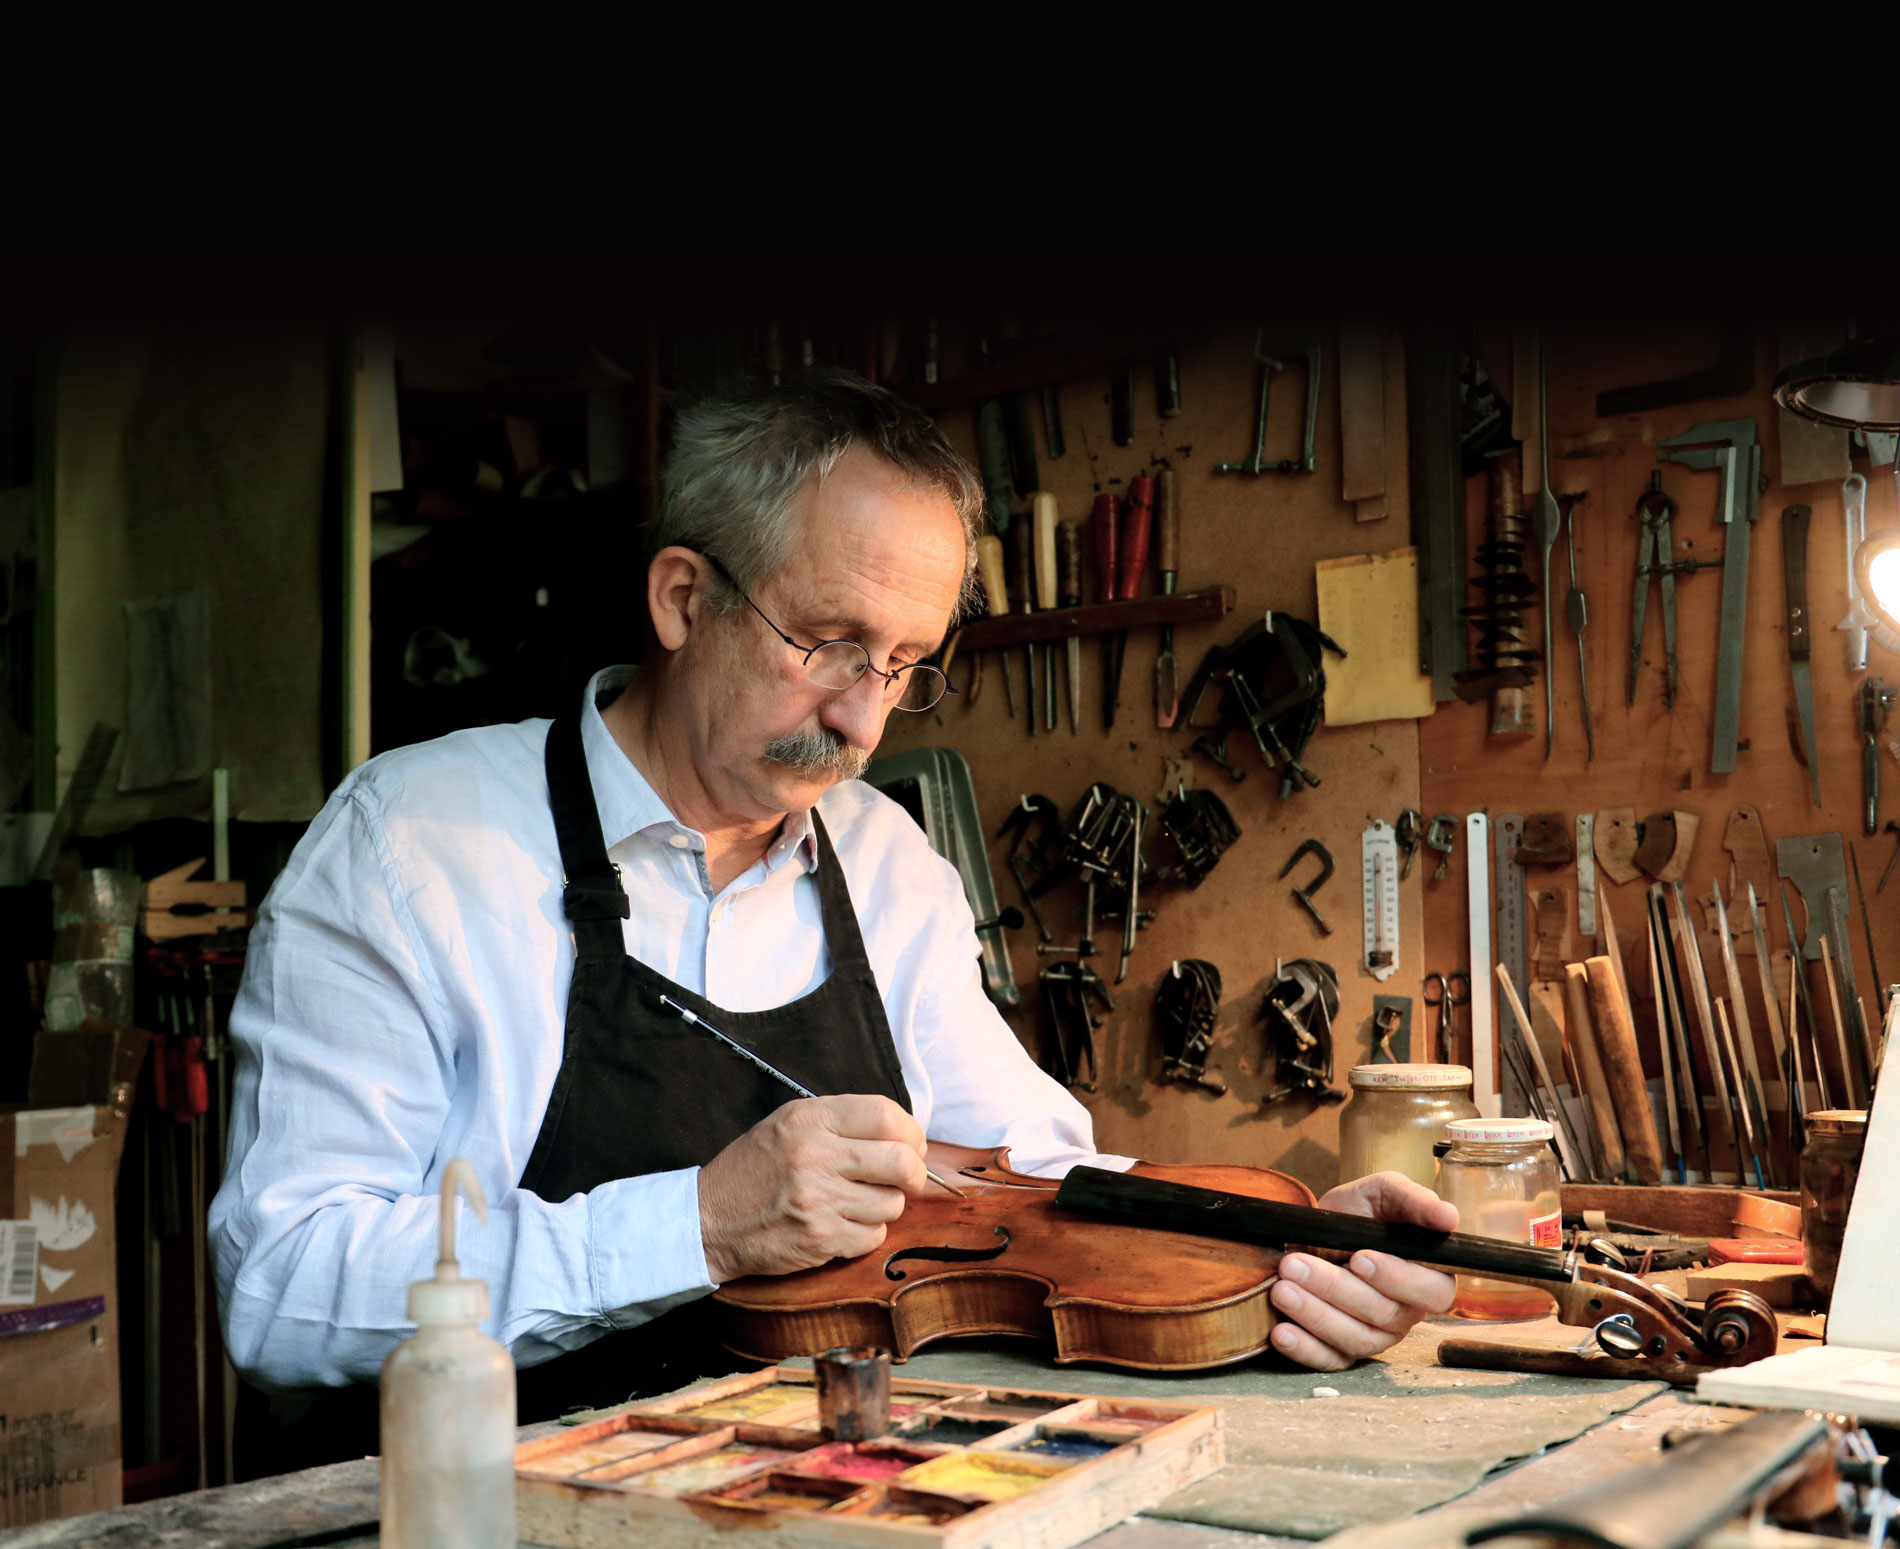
(641,1090)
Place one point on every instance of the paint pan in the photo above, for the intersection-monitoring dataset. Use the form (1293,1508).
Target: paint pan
(708,1472)
(916,1508)
(950,1430)
(749,1406)
(616,1448)
(863,1462)
(1070,1446)
(780,1491)
(1010,1408)
(988,1476)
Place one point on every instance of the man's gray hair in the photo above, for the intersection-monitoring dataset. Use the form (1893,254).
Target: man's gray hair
(740,457)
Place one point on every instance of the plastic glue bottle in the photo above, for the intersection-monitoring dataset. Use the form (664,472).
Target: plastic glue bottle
(448,1409)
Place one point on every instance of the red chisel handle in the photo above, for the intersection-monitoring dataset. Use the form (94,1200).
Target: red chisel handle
(1106,514)
(1136,523)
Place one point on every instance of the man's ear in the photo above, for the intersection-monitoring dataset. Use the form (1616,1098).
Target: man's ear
(674,581)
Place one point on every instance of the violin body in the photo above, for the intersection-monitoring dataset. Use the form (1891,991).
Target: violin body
(1005,1260)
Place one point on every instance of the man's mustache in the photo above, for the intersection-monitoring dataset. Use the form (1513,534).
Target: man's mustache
(817,755)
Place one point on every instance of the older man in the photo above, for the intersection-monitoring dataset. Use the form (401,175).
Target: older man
(481,946)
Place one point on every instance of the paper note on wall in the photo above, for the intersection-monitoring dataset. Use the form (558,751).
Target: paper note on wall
(1369,604)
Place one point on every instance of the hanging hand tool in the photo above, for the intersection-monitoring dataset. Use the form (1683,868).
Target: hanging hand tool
(1052,419)
(1131,909)
(1036,857)
(1671,1111)
(1682,934)
(1301,1003)
(1069,542)
(1850,993)
(1587,873)
(1167,382)
(1441,836)
(1267,364)
(1794,571)
(1873,960)
(1675,1028)
(1503,657)
(1859,620)
(1201,830)
(1446,1002)
(1043,504)
(1167,517)
(989,564)
(1484,1049)
(1186,1006)
(1875,702)
(1804,1016)
(1577,610)
(1025,578)
(1408,833)
(1892,828)
(992,447)
(1303,896)
(1748,1073)
(1131,558)
(1509,892)
(1546,523)
(1106,519)
(1787,1067)
(1730,449)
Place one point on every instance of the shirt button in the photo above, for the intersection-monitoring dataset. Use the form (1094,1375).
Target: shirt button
(679,841)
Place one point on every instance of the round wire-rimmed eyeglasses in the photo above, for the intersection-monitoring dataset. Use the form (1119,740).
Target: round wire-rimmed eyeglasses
(840,664)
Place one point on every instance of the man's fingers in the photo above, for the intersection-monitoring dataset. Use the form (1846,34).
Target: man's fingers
(1419,1290)
(1391,1196)
(863,1117)
(1296,1344)
(1339,1287)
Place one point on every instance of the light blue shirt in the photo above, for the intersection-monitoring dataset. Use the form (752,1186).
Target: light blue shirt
(403,1004)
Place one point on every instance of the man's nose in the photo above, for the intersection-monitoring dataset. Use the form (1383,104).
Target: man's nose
(858,713)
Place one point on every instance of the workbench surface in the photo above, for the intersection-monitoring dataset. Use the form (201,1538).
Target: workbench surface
(1405,1387)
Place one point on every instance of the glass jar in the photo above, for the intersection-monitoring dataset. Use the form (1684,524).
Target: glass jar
(1830,1166)
(1397,1114)
(1502,1176)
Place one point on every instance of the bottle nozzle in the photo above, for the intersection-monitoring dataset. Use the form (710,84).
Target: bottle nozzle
(459,1174)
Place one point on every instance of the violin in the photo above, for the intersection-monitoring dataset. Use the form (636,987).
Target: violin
(1167,1268)
(1005,1259)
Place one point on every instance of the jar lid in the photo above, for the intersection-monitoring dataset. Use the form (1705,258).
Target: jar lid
(1510,1132)
(1415,1077)
(1838,1121)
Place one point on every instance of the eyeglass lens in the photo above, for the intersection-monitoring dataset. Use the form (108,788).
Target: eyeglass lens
(838,664)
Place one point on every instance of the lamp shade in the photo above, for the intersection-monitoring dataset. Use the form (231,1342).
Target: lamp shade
(1856,386)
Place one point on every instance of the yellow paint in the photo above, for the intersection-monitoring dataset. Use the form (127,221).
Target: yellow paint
(989,1475)
(749,1406)
(708,1472)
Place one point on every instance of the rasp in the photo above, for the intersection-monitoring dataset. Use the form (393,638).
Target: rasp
(1729,448)
(1167,518)
(1794,569)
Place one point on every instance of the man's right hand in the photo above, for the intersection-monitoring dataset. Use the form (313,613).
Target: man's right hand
(817,1180)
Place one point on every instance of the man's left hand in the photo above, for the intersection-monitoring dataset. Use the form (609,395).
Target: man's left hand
(1334,1314)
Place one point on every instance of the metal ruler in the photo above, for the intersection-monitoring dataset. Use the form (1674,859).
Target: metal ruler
(1484,1028)
(1379,869)
(1514,947)
(1587,873)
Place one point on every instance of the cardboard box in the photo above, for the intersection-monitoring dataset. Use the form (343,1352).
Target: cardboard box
(59,1348)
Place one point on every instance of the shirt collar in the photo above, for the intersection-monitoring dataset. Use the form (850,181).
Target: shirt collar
(628,805)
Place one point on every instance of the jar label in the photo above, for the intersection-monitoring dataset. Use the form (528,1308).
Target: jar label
(1548,1231)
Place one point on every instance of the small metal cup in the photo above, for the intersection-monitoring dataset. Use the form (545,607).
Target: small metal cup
(854,1392)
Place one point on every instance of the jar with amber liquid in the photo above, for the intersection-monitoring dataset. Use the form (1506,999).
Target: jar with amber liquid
(1398,1113)
(1830,1167)
(1502,1176)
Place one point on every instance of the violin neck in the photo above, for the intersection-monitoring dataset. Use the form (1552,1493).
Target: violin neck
(1180,1207)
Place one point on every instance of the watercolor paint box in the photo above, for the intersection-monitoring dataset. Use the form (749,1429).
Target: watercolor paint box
(963,1468)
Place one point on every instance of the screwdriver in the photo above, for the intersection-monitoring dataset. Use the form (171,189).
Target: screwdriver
(1025,544)
(1043,504)
(1070,543)
(1105,518)
(1167,693)
(989,564)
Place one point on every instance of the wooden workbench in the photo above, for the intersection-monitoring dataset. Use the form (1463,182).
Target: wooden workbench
(324,1506)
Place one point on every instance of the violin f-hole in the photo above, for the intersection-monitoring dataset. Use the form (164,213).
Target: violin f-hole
(947,1255)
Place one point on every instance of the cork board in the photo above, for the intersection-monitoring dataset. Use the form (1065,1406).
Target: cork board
(1262,536)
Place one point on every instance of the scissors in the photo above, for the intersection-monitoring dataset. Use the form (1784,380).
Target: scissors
(1447,1000)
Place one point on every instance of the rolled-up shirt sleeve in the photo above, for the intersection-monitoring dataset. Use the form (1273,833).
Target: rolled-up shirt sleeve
(356,1078)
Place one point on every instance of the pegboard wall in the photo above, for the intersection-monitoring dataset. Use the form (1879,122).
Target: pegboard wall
(1262,536)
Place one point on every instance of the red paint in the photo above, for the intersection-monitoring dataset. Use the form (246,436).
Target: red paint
(860,1462)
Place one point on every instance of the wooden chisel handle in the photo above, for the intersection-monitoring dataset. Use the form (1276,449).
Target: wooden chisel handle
(1024,538)
(1044,506)
(989,565)
(1069,562)
(1106,515)
(1580,1037)
(1623,1066)
(1167,520)
(1134,536)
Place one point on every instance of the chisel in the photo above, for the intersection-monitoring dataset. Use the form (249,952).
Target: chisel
(1131,558)
(1025,544)
(1105,519)
(1043,504)
(989,564)
(1167,691)
(1069,559)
